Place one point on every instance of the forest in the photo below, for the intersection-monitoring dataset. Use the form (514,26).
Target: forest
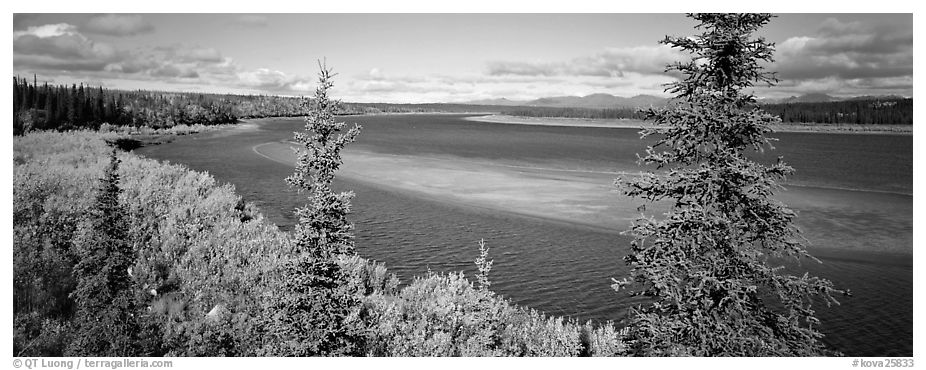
(870,111)
(875,111)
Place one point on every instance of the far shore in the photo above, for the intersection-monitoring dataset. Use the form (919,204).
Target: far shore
(638,124)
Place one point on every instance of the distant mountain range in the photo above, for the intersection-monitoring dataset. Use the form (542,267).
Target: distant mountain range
(601,101)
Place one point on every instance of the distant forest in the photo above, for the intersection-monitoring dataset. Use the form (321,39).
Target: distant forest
(62,108)
(867,112)
(589,113)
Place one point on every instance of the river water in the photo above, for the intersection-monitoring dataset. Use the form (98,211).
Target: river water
(853,193)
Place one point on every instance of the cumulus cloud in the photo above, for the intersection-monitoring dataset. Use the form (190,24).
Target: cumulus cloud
(63,52)
(846,56)
(61,47)
(118,25)
(56,49)
(841,58)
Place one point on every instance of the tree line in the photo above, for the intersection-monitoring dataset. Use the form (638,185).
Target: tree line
(891,111)
(62,107)
(589,113)
(874,111)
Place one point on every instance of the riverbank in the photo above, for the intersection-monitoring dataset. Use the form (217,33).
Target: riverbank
(637,124)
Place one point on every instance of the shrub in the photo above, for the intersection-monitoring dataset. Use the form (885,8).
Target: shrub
(197,245)
(446,315)
(54,177)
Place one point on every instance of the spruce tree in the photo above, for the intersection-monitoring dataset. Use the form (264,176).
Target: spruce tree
(105,319)
(312,311)
(711,266)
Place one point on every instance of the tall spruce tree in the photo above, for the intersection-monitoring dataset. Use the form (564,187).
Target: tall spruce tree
(105,320)
(711,265)
(312,311)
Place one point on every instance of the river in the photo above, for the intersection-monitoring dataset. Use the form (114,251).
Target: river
(429,187)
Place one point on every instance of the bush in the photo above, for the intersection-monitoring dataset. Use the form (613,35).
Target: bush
(197,245)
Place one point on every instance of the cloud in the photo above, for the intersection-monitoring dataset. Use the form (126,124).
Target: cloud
(190,54)
(251,20)
(497,68)
(60,46)
(61,51)
(20,20)
(171,70)
(272,80)
(119,25)
(612,62)
(847,56)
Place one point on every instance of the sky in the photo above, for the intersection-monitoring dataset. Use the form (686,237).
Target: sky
(417,58)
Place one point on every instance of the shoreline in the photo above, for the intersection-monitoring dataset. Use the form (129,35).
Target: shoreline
(638,124)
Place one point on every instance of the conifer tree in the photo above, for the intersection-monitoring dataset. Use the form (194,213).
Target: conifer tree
(105,317)
(710,265)
(313,312)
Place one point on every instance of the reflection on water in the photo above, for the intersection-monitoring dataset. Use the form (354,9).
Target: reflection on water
(864,238)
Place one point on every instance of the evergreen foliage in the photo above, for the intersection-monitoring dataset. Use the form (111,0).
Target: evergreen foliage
(708,265)
(863,111)
(105,318)
(484,264)
(314,312)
